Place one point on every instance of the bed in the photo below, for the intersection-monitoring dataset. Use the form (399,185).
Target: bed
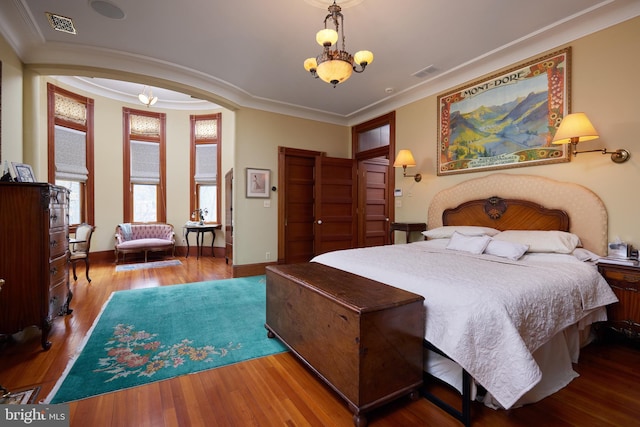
(510,320)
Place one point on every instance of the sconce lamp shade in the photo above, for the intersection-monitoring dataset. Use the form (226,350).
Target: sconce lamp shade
(575,128)
(404,159)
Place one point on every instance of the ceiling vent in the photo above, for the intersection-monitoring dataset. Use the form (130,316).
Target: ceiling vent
(61,23)
(425,72)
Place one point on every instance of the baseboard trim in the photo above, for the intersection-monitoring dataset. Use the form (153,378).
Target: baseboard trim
(247,270)
(109,256)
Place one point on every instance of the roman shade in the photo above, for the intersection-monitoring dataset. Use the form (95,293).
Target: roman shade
(71,154)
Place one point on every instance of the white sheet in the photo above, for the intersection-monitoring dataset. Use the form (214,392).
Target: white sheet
(489,314)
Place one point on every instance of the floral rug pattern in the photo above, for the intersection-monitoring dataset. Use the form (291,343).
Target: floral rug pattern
(153,334)
(132,352)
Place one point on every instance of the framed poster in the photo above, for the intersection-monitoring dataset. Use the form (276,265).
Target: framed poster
(506,120)
(258,182)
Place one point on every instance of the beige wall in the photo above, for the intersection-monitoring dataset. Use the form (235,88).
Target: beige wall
(258,136)
(11,131)
(603,73)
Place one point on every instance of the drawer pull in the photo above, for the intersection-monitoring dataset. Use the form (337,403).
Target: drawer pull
(631,279)
(53,271)
(53,243)
(54,217)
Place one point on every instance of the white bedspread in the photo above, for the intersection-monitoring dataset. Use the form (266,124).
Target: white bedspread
(487,313)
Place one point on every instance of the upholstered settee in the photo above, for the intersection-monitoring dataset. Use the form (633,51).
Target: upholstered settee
(137,238)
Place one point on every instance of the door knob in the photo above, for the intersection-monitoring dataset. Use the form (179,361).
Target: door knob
(319,221)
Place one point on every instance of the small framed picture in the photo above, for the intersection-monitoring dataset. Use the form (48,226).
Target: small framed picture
(23,172)
(258,182)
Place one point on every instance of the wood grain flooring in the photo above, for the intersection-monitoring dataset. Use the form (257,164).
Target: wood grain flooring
(278,390)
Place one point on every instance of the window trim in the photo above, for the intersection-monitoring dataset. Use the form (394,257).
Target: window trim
(87,206)
(127,189)
(193,187)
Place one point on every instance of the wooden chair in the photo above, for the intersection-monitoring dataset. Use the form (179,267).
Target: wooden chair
(80,248)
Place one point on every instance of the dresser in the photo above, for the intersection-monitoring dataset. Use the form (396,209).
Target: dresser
(34,248)
(623,316)
(362,337)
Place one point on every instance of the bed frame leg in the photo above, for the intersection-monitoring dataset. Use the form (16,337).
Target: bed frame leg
(463,415)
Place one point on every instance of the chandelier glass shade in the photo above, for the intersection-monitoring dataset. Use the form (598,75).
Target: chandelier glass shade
(335,65)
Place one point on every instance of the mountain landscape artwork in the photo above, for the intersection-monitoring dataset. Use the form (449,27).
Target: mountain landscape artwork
(507,120)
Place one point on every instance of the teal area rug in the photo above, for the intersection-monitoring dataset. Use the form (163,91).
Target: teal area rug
(144,265)
(153,334)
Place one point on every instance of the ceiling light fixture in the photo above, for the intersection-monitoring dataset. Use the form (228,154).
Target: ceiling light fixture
(335,65)
(149,99)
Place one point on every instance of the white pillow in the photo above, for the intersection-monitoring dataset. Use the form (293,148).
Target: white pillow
(585,255)
(473,244)
(505,249)
(447,231)
(542,241)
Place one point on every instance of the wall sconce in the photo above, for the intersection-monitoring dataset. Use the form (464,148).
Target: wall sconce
(576,128)
(405,159)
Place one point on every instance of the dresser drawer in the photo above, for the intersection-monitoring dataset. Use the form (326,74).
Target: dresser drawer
(619,276)
(57,217)
(58,196)
(58,270)
(58,300)
(58,243)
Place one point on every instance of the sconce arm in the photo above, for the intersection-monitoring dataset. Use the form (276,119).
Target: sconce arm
(618,156)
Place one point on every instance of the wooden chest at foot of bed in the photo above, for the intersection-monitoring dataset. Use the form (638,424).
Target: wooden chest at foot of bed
(362,337)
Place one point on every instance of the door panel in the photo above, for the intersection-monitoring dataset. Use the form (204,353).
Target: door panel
(299,208)
(373,202)
(335,226)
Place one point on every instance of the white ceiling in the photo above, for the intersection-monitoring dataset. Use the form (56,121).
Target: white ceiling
(250,53)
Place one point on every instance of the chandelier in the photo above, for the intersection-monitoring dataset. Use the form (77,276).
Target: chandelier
(149,99)
(335,65)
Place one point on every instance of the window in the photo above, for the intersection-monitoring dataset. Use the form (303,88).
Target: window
(144,166)
(375,138)
(205,165)
(70,150)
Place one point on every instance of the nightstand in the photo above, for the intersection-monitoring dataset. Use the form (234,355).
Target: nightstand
(407,227)
(623,316)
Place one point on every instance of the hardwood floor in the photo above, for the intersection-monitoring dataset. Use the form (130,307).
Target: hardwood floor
(277,390)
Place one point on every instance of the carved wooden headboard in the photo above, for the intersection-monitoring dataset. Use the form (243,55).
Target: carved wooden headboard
(587,213)
(506,214)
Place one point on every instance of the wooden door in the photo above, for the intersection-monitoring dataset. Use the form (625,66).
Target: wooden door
(335,193)
(296,206)
(374,204)
(314,188)
(228,216)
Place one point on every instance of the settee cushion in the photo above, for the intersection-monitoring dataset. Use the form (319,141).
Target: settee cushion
(144,243)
